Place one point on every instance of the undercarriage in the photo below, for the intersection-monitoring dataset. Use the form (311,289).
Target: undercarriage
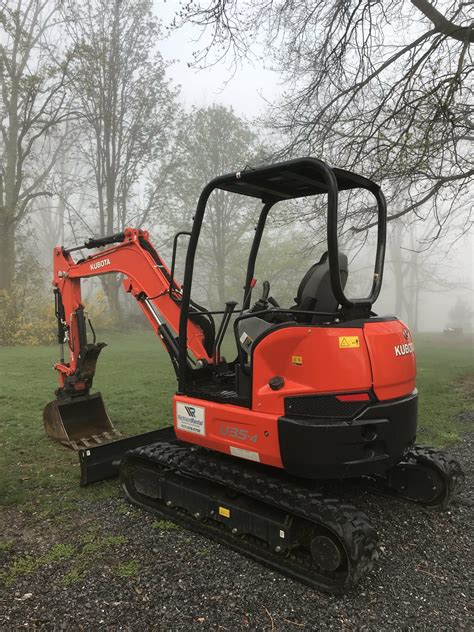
(280,521)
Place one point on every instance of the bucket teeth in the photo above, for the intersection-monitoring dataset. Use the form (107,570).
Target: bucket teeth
(79,422)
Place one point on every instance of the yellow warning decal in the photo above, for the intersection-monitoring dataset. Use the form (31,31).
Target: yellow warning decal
(298,360)
(349,342)
(223,511)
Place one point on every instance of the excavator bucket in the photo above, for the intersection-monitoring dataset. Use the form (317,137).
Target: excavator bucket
(79,422)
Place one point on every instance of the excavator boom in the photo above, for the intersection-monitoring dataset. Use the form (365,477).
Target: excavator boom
(78,418)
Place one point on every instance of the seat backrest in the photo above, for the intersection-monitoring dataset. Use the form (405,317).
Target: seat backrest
(315,291)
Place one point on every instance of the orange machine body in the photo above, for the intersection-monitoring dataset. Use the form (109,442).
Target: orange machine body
(367,364)
(332,399)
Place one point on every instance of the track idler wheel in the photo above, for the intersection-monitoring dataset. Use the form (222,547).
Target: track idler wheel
(427,476)
(416,482)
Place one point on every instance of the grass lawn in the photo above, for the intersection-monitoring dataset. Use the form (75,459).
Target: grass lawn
(137,381)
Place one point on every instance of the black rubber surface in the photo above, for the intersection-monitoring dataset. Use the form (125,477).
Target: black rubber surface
(349,527)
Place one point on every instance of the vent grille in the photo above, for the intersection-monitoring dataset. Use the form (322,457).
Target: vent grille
(325,406)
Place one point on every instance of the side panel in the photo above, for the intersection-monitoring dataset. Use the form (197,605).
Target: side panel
(314,361)
(310,360)
(392,355)
(227,428)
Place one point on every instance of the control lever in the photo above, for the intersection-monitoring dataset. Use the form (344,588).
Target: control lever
(229,310)
(262,302)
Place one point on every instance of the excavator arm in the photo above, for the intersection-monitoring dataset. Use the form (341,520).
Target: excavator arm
(149,281)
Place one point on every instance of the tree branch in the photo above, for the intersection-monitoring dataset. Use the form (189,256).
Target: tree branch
(442,24)
(433,191)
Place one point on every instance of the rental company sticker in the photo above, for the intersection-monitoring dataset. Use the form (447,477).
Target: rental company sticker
(191,418)
(349,342)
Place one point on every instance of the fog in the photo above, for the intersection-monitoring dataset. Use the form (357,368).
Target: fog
(429,266)
(249,89)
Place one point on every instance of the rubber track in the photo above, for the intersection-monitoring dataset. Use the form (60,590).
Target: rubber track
(448,468)
(350,526)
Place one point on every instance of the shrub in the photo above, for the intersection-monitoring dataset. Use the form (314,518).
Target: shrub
(27,316)
(98,311)
(26,322)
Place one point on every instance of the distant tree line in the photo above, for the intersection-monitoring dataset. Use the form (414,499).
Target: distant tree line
(384,87)
(93,136)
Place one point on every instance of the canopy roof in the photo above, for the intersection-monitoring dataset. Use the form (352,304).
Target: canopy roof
(291,179)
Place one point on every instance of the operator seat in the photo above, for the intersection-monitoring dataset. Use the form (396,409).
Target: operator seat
(314,294)
(315,291)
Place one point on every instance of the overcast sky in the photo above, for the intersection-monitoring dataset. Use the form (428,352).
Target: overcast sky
(245,91)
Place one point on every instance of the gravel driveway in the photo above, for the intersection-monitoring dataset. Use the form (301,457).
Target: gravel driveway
(107,565)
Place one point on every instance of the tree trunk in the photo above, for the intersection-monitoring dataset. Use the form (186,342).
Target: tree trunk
(111,288)
(7,251)
(10,185)
(416,306)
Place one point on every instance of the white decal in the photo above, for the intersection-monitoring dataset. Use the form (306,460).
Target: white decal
(100,264)
(246,342)
(405,349)
(245,454)
(191,418)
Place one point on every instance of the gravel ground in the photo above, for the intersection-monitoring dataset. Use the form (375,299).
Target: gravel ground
(107,565)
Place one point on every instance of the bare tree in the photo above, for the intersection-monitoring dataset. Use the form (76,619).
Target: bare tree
(210,142)
(461,315)
(418,269)
(64,217)
(383,87)
(31,107)
(127,109)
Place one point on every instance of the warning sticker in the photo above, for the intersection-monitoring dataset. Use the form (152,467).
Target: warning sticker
(191,418)
(298,360)
(349,342)
(223,511)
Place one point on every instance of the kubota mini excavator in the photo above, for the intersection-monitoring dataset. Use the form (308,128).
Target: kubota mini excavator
(322,389)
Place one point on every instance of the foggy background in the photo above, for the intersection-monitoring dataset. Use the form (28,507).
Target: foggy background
(121,119)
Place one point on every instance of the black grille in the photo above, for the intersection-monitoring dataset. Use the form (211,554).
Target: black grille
(322,406)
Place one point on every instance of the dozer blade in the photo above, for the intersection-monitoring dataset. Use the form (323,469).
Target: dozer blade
(79,422)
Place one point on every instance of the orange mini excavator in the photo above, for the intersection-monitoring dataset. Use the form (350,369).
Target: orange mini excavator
(322,389)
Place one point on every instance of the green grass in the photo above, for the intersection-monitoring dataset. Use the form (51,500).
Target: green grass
(137,382)
(445,381)
(6,545)
(92,550)
(29,564)
(127,569)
